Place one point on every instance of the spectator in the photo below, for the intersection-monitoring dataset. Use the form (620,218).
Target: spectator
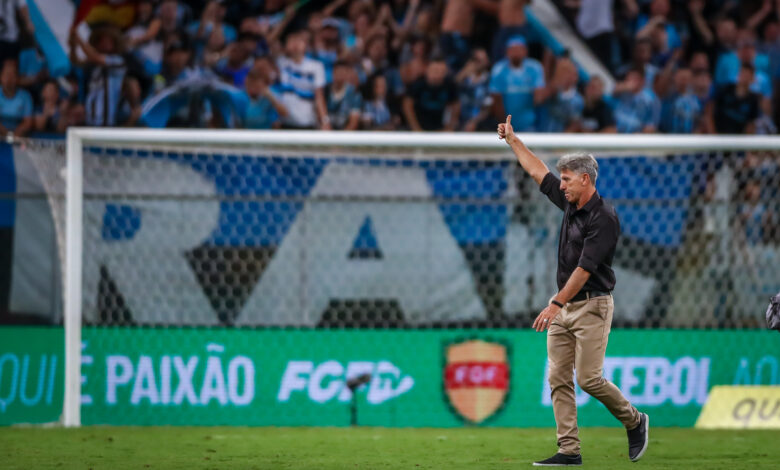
(234,68)
(50,113)
(129,108)
(700,35)
(517,86)
(32,69)
(432,98)
(213,51)
(473,87)
(726,45)
(75,115)
(457,24)
(173,19)
(376,113)
(637,109)
(103,52)
(271,16)
(302,80)
(9,32)
(646,25)
(16,108)
(344,102)
(728,66)
(643,54)
(414,59)
(362,28)
(596,24)
(144,38)
(328,46)
(754,215)
(562,112)
(376,62)
(770,45)
(177,59)
(402,20)
(702,89)
(211,19)
(764,123)
(264,106)
(512,22)
(596,113)
(662,54)
(735,108)
(700,62)
(680,110)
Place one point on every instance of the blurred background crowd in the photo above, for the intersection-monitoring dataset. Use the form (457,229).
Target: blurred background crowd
(699,66)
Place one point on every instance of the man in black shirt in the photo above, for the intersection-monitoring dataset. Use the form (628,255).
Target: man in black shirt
(429,97)
(580,314)
(596,114)
(735,108)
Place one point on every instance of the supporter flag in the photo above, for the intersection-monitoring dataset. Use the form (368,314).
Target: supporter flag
(117,12)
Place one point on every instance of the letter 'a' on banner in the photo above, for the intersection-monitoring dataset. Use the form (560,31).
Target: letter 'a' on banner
(745,407)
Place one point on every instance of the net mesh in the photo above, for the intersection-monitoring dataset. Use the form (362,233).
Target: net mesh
(392,238)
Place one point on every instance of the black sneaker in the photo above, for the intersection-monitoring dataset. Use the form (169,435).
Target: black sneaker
(638,438)
(560,460)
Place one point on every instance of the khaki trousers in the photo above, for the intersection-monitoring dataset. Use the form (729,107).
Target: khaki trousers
(577,339)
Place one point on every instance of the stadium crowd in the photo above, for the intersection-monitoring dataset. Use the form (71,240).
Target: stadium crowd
(699,66)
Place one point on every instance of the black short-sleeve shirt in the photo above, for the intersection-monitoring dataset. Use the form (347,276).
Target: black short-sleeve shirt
(588,237)
(597,117)
(733,113)
(430,102)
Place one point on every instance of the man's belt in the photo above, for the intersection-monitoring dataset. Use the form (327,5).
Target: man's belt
(588,294)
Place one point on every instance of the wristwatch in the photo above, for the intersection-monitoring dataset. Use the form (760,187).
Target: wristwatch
(555,302)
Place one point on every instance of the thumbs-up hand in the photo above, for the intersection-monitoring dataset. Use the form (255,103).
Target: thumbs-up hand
(505,130)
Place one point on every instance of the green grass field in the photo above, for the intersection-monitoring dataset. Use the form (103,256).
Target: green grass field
(370,448)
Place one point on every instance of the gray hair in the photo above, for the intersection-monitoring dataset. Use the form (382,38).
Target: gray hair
(580,163)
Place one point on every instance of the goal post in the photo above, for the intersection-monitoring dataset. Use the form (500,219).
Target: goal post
(376,148)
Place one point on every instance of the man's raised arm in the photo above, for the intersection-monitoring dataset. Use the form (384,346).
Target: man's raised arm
(530,162)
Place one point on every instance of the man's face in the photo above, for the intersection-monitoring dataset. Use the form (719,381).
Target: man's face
(254,85)
(296,45)
(746,50)
(635,81)
(9,76)
(265,68)
(682,80)
(238,54)
(380,87)
(594,89)
(745,77)
(330,36)
(727,32)
(573,185)
(340,75)
(168,11)
(516,53)
(772,31)
(643,52)
(700,62)
(481,58)
(377,51)
(702,83)
(659,7)
(178,58)
(105,44)
(436,72)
